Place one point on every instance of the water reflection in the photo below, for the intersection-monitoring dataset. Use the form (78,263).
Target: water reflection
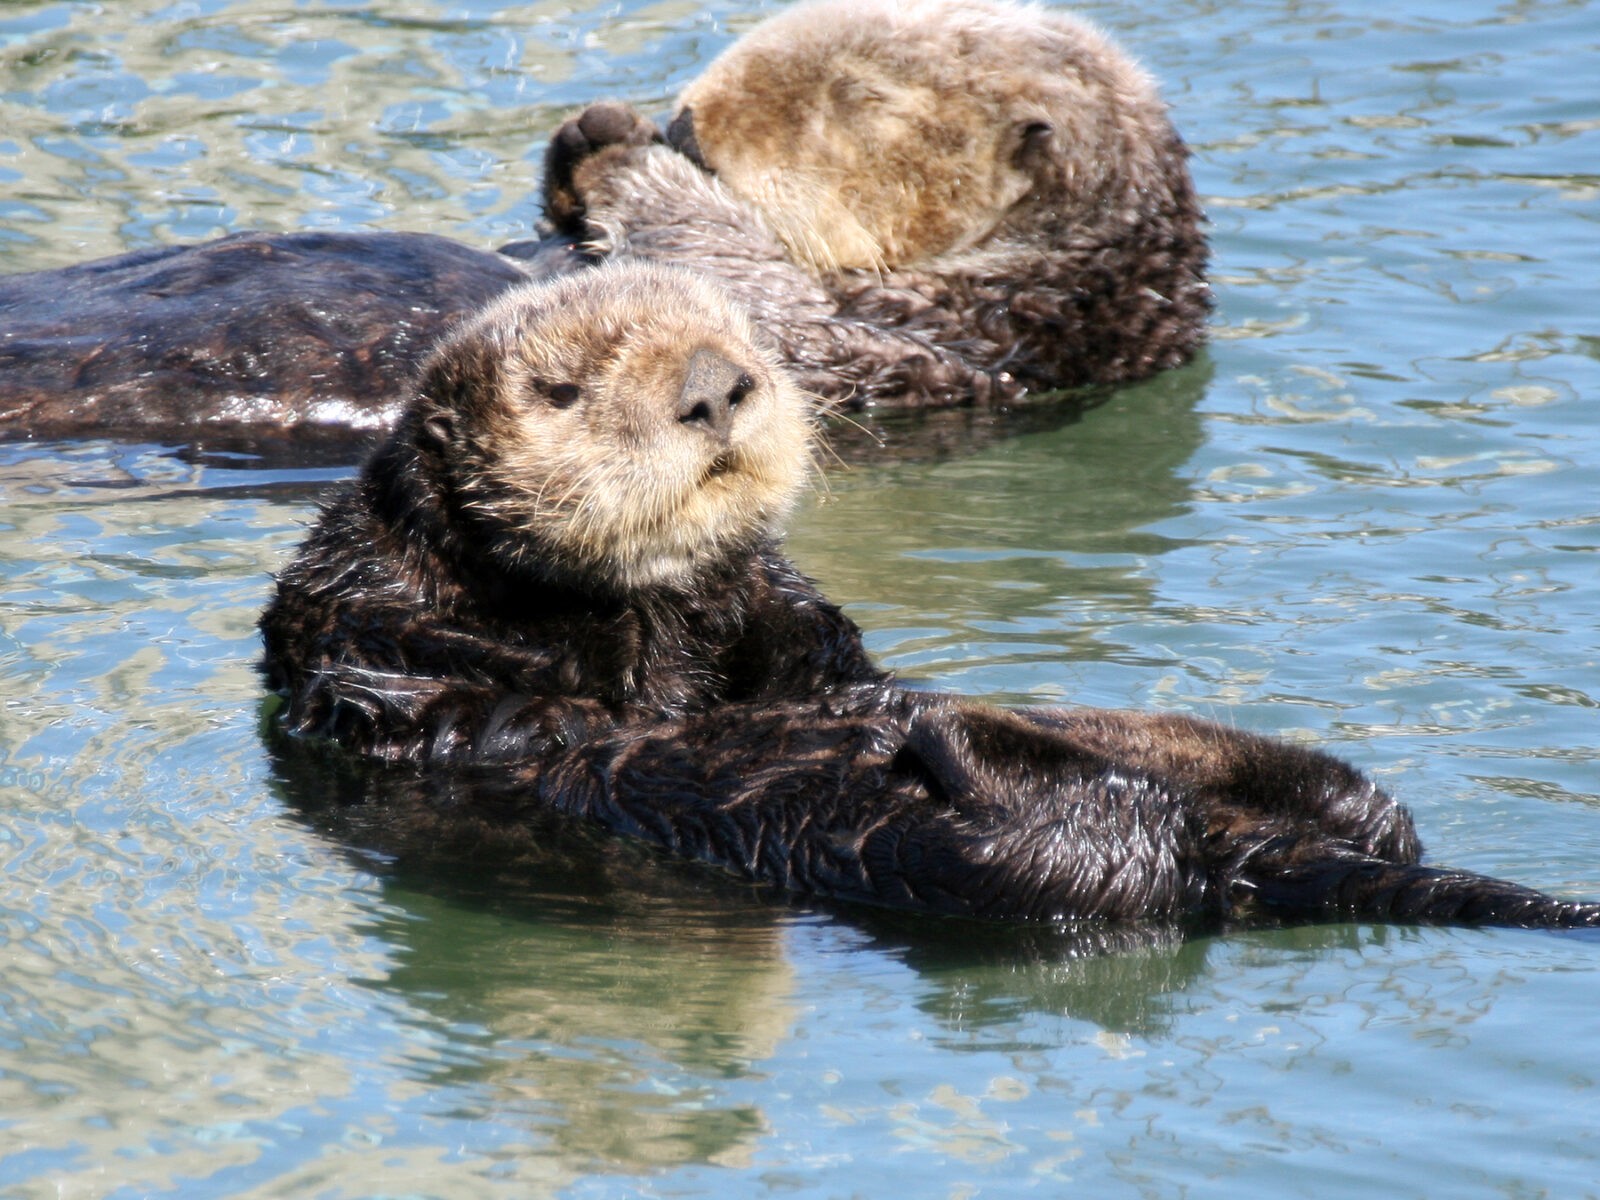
(980,983)
(608,1030)
(1018,556)
(579,912)
(609,992)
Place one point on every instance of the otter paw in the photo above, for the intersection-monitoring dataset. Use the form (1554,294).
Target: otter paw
(596,128)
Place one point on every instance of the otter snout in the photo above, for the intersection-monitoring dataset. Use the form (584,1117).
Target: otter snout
(713,389)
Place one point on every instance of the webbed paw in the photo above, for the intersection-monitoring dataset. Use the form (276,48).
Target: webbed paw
(599,127)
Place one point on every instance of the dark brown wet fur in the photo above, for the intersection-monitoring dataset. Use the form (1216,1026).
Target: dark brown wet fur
(455,603)
(935,805)
(448,611)
(303,333)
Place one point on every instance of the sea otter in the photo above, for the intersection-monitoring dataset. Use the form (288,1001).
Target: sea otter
(570,526)
(558,580)
(928,204)
(298,335)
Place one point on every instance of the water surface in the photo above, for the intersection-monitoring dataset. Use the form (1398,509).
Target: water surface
(1368,518)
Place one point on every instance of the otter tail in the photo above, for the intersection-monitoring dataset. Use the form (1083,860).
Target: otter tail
(1362,888)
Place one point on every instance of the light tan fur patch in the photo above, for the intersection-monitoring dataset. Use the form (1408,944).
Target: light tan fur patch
(879,133)
(583,446)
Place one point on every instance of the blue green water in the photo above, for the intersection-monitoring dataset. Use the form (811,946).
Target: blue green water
(1369,517)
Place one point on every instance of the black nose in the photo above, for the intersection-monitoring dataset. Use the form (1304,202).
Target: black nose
(712,389)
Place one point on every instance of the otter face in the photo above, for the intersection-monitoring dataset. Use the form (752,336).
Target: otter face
(880,133)
(621,426)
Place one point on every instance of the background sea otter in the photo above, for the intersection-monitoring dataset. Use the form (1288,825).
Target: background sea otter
(561,564)
(927,203)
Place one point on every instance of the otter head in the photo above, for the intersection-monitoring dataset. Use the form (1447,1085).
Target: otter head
(618,428)
(881,133)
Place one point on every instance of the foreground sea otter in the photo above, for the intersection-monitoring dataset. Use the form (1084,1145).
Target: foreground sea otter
(571,526)
(928,204)
(558,578)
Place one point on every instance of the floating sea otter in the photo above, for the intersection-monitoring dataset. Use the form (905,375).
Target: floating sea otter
(927,203)
(570,527)
(561,564)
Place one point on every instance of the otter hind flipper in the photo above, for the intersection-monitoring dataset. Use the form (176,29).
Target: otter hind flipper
(1332,883)
(1043,827)
(978,758)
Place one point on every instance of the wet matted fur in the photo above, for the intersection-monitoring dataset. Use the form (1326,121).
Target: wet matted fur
(559,578)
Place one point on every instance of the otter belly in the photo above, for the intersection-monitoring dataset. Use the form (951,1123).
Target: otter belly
(294,334)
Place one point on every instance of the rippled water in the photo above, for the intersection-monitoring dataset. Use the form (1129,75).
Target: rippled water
(1369,517)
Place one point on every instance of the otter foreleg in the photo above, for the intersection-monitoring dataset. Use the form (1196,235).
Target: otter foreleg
(603,124)
(412,718)
(387,684)
(631,199)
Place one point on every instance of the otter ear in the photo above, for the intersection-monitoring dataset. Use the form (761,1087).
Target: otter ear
(853,92)
(680,136)
(438,428)
(1034,140)
(460,377)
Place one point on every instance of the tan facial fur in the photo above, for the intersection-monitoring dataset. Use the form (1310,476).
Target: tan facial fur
(587,449)
(879,133)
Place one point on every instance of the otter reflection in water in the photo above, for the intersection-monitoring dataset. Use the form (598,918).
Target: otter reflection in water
(927,203)
(562,563)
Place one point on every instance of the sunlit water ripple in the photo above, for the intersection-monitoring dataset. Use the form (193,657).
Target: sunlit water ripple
(1367,517)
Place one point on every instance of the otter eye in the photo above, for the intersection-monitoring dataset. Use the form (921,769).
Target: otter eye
(564,395)
(851,91)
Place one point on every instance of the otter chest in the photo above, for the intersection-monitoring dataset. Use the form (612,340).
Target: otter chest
(665,664)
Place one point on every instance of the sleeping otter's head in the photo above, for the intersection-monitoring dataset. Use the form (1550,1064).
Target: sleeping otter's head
(618,428)
(882,133)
